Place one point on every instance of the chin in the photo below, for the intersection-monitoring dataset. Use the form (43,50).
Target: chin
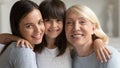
(37,42)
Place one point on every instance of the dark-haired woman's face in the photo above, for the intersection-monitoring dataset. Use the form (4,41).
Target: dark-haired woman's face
(32,27)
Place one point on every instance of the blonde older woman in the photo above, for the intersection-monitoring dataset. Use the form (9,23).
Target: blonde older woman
(82,26)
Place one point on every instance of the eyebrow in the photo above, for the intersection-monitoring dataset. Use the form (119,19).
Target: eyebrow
(79,18)
(28,23)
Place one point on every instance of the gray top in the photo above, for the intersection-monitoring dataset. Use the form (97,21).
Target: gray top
(16,57)
(92,62)
(1,46)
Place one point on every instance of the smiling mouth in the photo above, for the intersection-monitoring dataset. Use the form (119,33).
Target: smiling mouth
(55,30)
(36,36)
(77,35)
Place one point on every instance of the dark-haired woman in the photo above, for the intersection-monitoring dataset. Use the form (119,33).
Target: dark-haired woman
(27,23)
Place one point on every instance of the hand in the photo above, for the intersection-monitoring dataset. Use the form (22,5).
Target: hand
(24,42)
(102,52)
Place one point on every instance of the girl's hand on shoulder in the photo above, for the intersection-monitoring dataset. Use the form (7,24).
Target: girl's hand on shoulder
(101,50)
(24,42)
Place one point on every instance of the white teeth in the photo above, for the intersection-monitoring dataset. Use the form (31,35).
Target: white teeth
(77,35)
(37,36)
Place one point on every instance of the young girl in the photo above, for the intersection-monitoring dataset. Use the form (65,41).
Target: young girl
(27,23)
(55,53)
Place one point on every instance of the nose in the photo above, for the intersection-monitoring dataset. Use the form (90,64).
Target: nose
(37,29)
(76,26)
(54,23)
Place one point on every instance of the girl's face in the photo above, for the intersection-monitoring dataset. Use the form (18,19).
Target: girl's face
(78,29)
(32,27)
(53,27)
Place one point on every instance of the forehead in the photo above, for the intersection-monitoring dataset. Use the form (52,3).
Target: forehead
(33,15)
(72,14)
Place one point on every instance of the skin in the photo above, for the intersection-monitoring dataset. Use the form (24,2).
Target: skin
(79,32)
(53,28)
(32,27)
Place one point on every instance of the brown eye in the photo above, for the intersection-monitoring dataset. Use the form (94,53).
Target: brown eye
(40,22)
(82,22)
(69,22)
(59,20)
(47,20)
(28,26)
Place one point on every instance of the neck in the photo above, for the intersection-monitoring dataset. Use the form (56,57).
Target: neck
(50,43)
(84,50)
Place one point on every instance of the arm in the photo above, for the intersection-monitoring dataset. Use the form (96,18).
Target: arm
(102,52)
(6,38)
(23,58)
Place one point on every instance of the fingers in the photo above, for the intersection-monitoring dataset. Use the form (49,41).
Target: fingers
(28,45)
(18,42)
(24,43)
(107,53)
(99,56)
(103,54)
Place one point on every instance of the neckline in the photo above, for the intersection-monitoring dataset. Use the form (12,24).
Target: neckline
(51,51)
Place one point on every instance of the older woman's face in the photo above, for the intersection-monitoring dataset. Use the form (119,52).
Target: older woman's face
(32,27)
(78,29)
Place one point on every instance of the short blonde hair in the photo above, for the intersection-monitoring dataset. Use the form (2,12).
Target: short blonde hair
(90,15)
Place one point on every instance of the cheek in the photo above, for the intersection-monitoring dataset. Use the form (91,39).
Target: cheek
(68,28)
(67,31)
(25,33)
(42,28)
(47,26)
(61,26)
(89,30)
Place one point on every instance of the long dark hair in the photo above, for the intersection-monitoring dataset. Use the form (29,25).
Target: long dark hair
(18,11)
(54,9)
